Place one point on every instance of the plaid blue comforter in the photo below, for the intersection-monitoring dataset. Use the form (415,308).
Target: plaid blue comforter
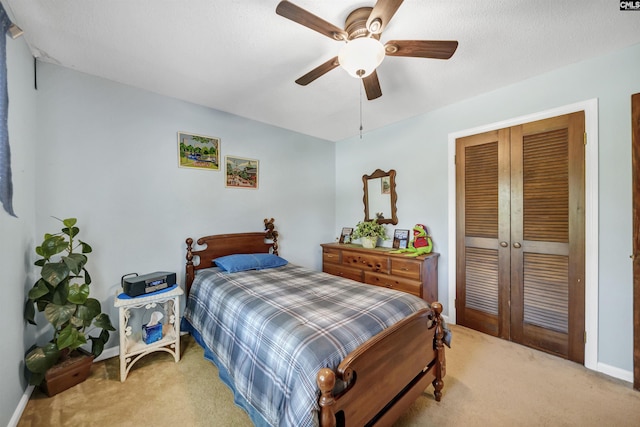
(273,329)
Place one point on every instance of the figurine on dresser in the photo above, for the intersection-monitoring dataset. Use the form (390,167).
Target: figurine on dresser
(420,244)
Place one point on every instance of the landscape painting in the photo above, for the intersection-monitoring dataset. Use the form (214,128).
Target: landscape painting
(198,151)
(241,172)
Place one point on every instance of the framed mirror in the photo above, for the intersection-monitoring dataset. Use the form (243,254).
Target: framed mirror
(380,197)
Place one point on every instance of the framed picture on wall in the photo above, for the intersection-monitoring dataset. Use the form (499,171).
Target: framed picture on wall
(400,238)
(198,151)
(241,172)
(345,236)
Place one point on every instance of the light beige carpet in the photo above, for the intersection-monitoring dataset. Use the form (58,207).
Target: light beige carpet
(489,382)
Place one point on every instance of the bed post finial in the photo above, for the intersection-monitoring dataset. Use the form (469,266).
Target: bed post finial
(326,380)
(190,270)
(440,368)
(271,233)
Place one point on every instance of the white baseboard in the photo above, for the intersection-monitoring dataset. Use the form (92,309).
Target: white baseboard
(612,371)
(108,353)
(13,422)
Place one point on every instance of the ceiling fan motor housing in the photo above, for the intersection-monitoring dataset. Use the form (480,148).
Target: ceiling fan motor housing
(356,24)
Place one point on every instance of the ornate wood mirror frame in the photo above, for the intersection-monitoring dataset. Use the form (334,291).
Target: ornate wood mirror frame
(380,197)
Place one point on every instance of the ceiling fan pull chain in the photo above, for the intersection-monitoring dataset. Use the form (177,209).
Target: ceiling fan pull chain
(360,109)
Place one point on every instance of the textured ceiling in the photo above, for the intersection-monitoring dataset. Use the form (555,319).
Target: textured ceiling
(240,57)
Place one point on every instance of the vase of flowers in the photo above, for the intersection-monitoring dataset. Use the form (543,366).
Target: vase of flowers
(369,232)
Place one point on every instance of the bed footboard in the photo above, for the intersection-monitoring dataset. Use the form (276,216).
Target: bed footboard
(387,373)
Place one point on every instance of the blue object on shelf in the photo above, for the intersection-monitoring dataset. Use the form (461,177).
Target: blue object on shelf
(151,334)
(169,289)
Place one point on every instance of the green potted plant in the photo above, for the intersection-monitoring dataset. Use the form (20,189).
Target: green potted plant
(369,232)
(62,294)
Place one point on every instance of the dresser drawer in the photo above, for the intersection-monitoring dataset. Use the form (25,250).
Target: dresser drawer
(331,255)
(409,268)
(342,271)
(378,267)
(366,262)
(393,282)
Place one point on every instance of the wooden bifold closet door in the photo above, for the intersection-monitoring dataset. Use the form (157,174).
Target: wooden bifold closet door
(520,234)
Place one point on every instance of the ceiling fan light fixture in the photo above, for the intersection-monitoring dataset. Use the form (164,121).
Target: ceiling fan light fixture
(361,56)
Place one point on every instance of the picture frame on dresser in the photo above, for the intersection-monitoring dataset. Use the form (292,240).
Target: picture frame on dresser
(345,235)
(400,238)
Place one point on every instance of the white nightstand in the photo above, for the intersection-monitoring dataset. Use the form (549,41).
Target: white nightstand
(132,346)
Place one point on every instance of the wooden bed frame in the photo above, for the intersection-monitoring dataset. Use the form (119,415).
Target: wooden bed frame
(385,375)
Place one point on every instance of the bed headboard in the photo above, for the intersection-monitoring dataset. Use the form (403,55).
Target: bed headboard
(228,244)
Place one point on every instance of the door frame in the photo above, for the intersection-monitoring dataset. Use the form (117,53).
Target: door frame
(635,177)
(590,108)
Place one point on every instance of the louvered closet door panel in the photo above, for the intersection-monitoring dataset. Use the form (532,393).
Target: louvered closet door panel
(546,291)
(482,269)
(546,186)
(481,190)
(547,234)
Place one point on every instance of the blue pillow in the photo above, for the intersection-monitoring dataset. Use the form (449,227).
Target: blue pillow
(243,262)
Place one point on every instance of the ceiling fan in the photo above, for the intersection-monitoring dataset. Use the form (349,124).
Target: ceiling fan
(363,51)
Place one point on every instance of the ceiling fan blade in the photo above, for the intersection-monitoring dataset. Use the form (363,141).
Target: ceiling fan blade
(309,20)
(438,49)
(372,86)
(381,14)
(318,71)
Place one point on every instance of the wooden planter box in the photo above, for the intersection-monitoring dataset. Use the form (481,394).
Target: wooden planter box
(67,373)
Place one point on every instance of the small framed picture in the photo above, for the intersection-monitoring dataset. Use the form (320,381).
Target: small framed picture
(400,238)
(241,172)
(198,151)
(345,236)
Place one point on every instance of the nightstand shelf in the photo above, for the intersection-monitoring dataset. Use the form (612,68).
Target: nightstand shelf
(132,346)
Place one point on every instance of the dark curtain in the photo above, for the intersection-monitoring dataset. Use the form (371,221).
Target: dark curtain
(6,186)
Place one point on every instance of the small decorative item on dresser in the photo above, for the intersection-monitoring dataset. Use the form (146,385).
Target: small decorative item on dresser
(369,242)
(420,244)
(345,236)
(368,232)
(400,238)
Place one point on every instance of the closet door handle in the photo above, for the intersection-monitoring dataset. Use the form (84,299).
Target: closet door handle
(504,244)
(517,245)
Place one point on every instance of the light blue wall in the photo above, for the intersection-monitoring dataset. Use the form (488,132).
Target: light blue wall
(110,156)
(107,154)
(17,234)
(417,150)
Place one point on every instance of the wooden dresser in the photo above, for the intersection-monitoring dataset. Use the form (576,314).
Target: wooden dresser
(415,275)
